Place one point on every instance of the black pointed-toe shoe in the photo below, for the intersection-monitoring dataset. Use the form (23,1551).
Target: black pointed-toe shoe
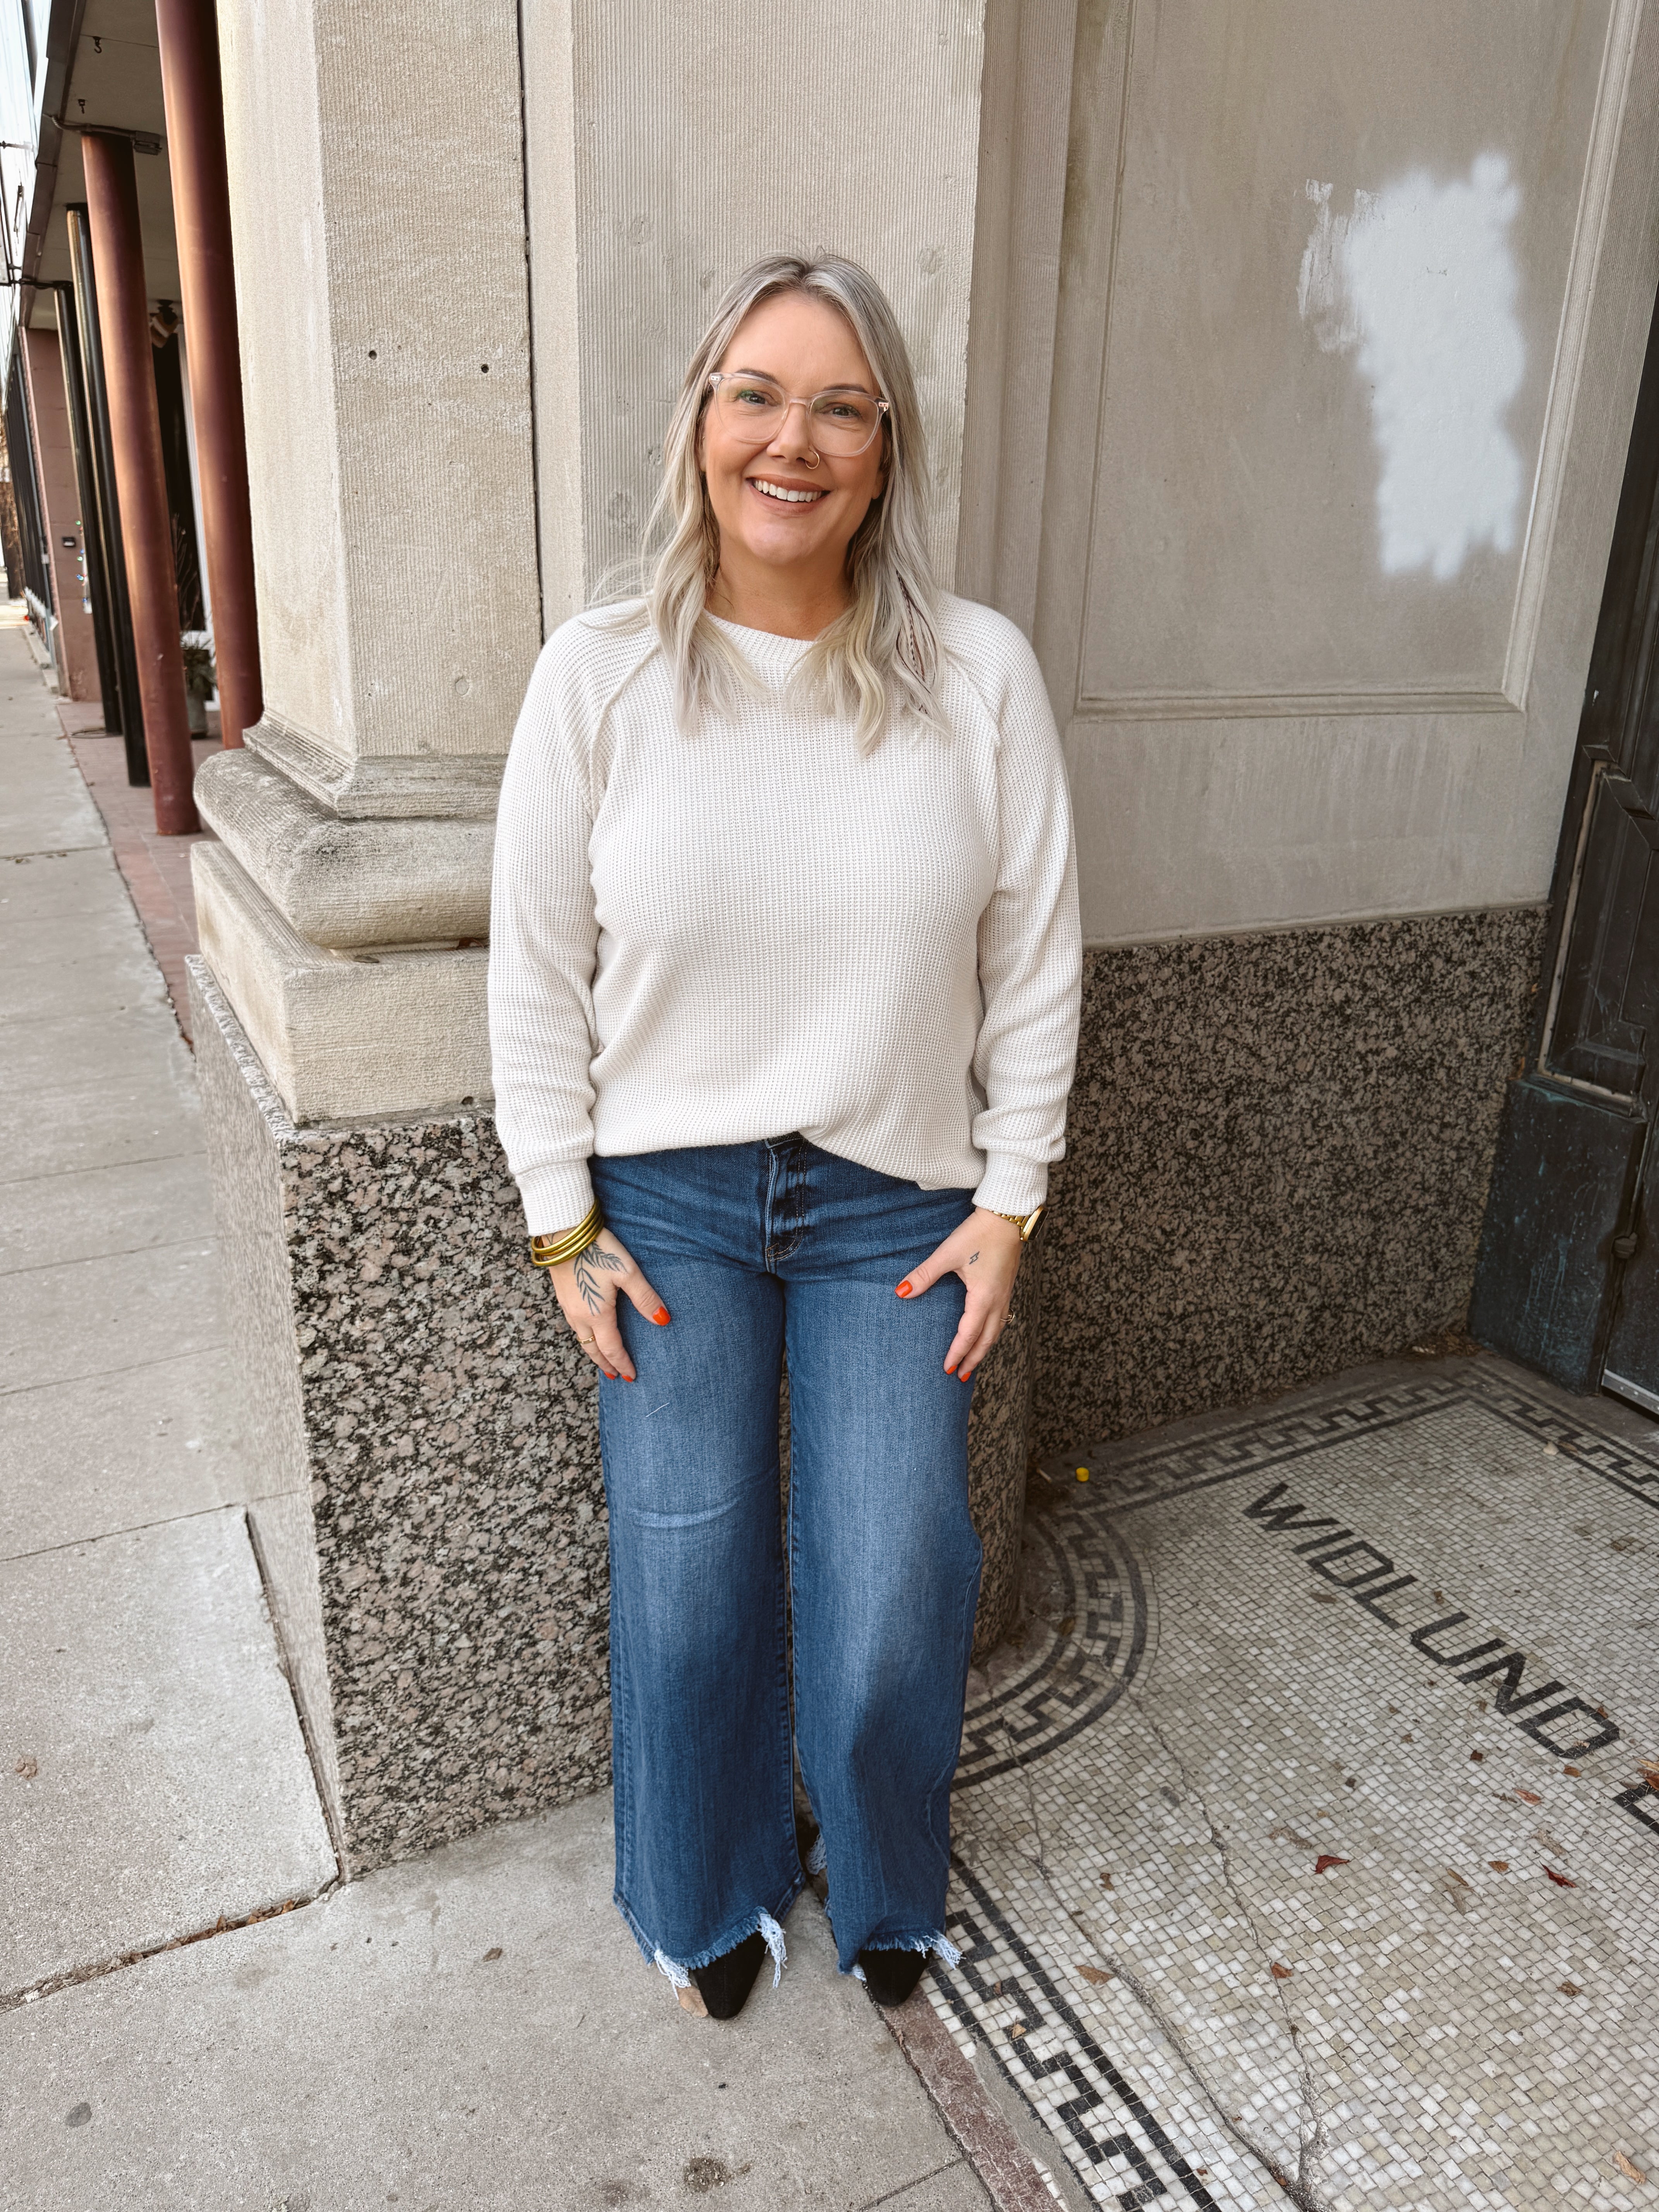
(890,1976)
(725,1982)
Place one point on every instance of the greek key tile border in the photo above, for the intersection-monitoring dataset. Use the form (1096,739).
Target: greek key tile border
(1105,2128)
(1151,1474)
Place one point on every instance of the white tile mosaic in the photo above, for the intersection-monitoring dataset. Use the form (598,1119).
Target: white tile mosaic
(1306,1846)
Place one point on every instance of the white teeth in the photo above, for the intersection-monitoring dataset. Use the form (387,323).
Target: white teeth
(782,491)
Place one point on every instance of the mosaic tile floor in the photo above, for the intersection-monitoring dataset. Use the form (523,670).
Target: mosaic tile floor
(1305,1848)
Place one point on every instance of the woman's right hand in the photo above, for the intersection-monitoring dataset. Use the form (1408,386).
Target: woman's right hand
(587,1289)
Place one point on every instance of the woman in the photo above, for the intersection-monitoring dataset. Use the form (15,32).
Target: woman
(783,991)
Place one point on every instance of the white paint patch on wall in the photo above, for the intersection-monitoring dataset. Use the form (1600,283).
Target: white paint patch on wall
(1419,283)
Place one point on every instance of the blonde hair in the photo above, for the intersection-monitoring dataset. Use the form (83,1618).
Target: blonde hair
(880,659)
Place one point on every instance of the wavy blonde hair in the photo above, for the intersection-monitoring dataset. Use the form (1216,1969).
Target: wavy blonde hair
(879,660)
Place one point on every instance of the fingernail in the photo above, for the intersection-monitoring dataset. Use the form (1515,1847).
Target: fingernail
(660,1316)
(904,1290)
(949,1369)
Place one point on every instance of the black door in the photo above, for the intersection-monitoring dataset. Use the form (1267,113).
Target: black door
(1568,1278)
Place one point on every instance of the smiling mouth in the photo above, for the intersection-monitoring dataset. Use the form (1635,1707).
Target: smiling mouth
(786,494)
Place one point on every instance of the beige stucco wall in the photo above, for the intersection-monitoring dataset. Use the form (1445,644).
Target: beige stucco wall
(76,648)
(1353,312)
(670,144)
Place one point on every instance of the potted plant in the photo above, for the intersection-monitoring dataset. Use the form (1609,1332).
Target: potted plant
(201,677)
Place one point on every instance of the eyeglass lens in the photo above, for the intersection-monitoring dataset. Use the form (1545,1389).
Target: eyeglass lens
(841,421)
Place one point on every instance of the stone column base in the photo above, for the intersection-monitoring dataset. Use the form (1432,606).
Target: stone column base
(431,1518)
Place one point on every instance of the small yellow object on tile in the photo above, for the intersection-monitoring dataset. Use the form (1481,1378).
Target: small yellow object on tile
(1082,1474)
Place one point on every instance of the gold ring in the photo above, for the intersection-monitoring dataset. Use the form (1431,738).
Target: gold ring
(581,1339)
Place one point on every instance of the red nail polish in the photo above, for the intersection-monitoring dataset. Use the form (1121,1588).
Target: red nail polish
(660,1316)
(949,1369)
(904,1290)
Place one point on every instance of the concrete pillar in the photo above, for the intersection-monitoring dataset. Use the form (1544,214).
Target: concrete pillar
(424,503)
(60,505)
(136,439)
(200,207)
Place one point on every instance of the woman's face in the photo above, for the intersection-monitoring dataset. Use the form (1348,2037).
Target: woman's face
(806,347)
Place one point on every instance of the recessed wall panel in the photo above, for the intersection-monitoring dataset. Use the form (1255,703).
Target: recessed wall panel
(1344,241)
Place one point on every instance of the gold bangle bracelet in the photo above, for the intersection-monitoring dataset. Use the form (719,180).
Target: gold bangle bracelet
(552,1250)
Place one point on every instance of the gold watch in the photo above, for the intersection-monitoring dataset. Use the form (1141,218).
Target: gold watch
(1027,1224)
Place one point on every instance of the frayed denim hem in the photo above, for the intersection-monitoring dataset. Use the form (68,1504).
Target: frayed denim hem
(759,1922)
(941,1946)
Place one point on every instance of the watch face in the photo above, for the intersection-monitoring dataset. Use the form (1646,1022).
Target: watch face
(1032,1222)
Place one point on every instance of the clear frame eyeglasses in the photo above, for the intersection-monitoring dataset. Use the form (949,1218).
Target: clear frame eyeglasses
(753,408)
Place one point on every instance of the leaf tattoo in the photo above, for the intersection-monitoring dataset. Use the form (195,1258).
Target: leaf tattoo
(587,1265)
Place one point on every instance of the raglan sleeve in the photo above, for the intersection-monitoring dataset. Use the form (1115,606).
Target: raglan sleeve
(1030,948)
(544,945)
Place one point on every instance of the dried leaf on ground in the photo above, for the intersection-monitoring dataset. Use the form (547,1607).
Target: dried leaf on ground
(28,1767)
(1649,1771)
(1561,1880)
(1095,1974)
(1630,2171)
(1326,1860)
(1570,1990)
(1528,1796)
(1280,1973)
(1499,1866)
(1477,1756)
(494,1952)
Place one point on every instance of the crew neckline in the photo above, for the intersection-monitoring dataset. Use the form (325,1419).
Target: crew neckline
(763,644)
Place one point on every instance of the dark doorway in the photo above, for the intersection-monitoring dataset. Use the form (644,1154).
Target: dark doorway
(1568,1276)
(175,458)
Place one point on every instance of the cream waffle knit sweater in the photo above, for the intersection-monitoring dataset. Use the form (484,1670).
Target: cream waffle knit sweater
(758,928)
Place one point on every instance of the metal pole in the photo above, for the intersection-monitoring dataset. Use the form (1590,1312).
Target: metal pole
(86,484)
(201,212)
(141,480)
(129,723)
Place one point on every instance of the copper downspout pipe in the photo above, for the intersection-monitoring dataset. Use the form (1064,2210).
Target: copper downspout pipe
(140,478)
(201,212)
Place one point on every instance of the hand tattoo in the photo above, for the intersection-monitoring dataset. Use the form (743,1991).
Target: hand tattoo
(972,1256)
(587,1263)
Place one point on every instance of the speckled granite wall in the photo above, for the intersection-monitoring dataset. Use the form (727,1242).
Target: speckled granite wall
(1278,1153)
(432,1519)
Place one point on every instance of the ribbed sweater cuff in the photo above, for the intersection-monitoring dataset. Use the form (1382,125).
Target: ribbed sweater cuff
(1011,1185)
(555,1197)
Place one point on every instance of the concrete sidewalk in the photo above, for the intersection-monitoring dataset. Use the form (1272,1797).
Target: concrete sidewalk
(192,2011)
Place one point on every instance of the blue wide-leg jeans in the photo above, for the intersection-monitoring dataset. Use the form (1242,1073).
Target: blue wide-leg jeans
(761,1251)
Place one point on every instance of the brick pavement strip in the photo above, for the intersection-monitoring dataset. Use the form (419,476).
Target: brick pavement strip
(156,869)
(990,2143)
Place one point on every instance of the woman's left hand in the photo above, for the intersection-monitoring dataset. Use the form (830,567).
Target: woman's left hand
(985,1252)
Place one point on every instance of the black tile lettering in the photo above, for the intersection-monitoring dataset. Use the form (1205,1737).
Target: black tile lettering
(1285,1516)
(1421,1638)
(1369,1600)
(1606,1732)
(1505,1694)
